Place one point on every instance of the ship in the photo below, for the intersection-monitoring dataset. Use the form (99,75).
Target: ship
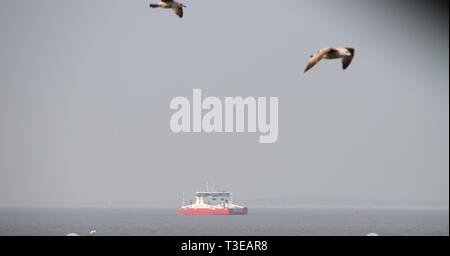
(212,203)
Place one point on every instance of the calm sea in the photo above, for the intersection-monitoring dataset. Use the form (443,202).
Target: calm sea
(162,222)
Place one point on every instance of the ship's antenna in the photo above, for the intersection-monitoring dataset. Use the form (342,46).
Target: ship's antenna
(183,199)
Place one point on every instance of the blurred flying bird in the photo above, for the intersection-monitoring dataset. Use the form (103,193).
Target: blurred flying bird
(346,54)
(170,4)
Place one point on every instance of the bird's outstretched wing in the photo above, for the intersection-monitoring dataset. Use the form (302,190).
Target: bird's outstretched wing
(316,58)
(348,59)
(178,11)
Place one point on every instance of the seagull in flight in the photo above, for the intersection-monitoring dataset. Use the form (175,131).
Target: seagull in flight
(170,4)
(346,54)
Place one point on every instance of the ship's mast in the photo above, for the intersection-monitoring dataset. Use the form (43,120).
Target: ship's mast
(183,199)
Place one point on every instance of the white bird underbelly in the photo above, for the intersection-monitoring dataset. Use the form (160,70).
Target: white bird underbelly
(165,5)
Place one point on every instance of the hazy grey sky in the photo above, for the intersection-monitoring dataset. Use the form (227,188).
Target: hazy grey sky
(85,88)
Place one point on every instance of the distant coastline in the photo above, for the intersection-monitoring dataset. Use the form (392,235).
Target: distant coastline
(258,203)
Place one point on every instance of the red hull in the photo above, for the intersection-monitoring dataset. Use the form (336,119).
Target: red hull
(213,211)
